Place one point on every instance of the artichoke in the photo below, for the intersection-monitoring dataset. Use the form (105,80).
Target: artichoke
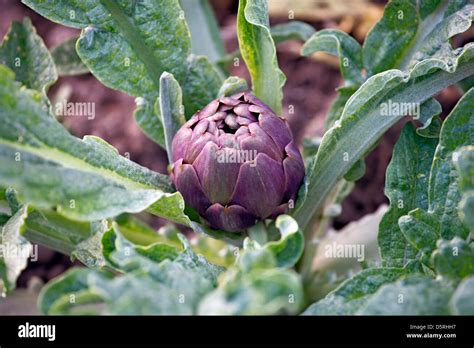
(235,162)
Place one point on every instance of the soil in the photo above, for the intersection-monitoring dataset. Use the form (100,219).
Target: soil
(310,90)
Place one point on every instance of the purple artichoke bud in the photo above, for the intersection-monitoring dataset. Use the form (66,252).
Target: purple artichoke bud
(235,162)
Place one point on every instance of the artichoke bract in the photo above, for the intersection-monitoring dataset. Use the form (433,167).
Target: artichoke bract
(235,162)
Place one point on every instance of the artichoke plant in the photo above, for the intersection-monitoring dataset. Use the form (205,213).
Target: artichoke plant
(235,162)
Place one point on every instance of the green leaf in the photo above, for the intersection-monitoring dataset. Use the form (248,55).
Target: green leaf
(66,59)
(149,121)
(464,162)
(354,293)
(170,109)
(293,30)
(128,45)
(201,84)
(231,86)
(414,295)
(262,291)
(89,251)
(155,280)
(454,258)
(259,53)
(337,107)
(410,32)
(82,179)
(444,193)
(24,52)
(406,186)
(205,35)
(15,250)
(362,123)
(67,284)
(340,44)
(431,123)
(461,301)
(421,229)
(289,248)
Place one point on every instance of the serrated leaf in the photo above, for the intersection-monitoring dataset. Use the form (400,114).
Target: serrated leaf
(362,122)
(170,109)
(454,258)
(352,294)
(461,302)
(406,186)
(342,45)
(293,30)
(66,59)
(24,52)
(14,250)
(232,85)
(258,50)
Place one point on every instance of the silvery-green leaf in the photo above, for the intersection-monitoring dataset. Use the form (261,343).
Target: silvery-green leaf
(67,284)
(205,36)
(461,301)
(464,162)
(431,123)
(232,85)
(170,109)
(156,279)
(82,179)
(126,45)
(291,30)
(412,31)
(421,229)
(362,122)
(14,250)
(444,193)
(413,295)
(200,85)
(66,59)
(25,53)
(337,107)
(344,46)
(406,186)
(354,293)
(261,291)
(289,248)
(149,121)
(454,258)
(258,50)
